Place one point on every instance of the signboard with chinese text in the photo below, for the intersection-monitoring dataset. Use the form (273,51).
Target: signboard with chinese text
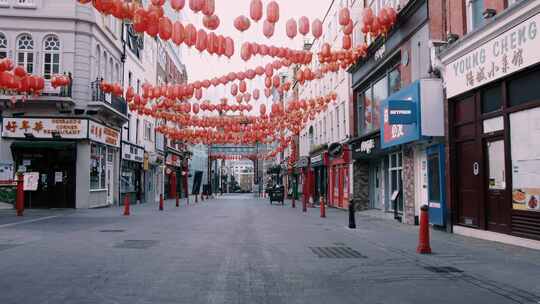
(45,127)
(132,153)
(511,51)
(103,134)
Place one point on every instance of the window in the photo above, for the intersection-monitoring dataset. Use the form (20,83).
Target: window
(97,166)
(338,132)
(25,52)
(491,99)
(396,183)
(343,114)
(130,79)
(475,11)
(137,131)
(112,24)
(434,189)
(525,151)
(110,75)
(311,143)
(25,3)
(524,89)
(98,62)
(3,46)
(148,131)
(394,81)
(51,56)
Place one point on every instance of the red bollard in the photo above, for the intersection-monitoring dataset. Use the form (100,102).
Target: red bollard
(161,202)
(19,203)
(126,205)
(177,201)
(423,239)
(323,208)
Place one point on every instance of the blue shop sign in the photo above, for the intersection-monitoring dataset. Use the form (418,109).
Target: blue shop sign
(404,126)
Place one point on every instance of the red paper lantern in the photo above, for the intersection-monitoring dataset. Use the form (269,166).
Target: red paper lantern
(165,28)
(196,5)
(344,16)
(229,47)
(243,87)
(316,28)
(209,7)
(152,24)
(303,25)
(158,2)
(19,71)
(348,29)
(272,12)
(178,33)
(367,16)
(177,5)
(211,22)
(256,10)
(139,20)
(256,94)
(191,35)
(245,53)
(262,109)
(347,42)
(268,29)
(291,28)
(234,89)
(200,44)
(242,23)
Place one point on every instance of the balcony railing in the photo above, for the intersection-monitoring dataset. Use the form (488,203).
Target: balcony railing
(63,91)
(115,102)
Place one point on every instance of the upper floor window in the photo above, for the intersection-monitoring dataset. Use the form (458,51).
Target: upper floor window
(475,19)
(51,56)
(3,46)
(25,52)
(311,139)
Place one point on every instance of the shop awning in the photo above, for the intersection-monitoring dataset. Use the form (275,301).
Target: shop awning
(37,144)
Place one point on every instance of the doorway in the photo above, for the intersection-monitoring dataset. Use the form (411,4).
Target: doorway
(496,209)
(395,171)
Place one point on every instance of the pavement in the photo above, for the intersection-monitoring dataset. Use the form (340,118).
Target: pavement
(239,249)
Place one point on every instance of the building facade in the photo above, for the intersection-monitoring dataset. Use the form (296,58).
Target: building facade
(493,109)
(70,138)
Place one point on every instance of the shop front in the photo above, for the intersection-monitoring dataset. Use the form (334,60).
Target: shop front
(412,129)
(339,156)
(318,176)
(153,168)
(46,147)
(173,174)
(132,174)
(301,168)
(493,103)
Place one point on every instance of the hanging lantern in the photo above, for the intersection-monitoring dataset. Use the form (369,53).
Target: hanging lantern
(196,5)
(344,16)
(272,12)
(234,89)
(241,23)
(229,47)
(291,28)
(317,28)
(200,44)
(211,22)
(191,35)
(348,29)
(246,52)
(256,94)
(347,42)
(262,109)
(153,24)
(165,28)
(303,25)
(139,20)
(268,29)
(177,5)
(243,87)
(178,33)
(256,10)
(209,7)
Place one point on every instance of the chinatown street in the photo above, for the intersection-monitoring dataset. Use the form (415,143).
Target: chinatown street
(240,249)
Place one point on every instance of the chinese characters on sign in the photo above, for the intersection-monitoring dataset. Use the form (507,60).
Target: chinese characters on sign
(505,54)
(103,134)
(45,127)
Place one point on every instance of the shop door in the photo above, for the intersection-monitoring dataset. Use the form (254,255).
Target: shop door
(468,183)
(110,184)
(396,182)
(377,187)
(497,211)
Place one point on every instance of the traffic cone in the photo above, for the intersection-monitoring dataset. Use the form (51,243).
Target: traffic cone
(126,205)
(161,202)
(323,208)
(423,238)
(177,201)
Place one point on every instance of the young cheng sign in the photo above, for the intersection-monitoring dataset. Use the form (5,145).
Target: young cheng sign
(507,53)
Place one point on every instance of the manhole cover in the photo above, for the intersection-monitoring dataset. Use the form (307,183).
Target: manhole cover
(340,252)
(136,244)
(443,269)
(112,230)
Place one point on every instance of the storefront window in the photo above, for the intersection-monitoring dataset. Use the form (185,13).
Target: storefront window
(127,178)
(524,135)
(491,99)
(524,89)
(97,167)
(394,81)
(434,189)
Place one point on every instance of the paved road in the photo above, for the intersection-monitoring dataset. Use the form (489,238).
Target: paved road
(242,250)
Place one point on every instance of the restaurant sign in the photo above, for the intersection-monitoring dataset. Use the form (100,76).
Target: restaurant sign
(103,134)
(44,128)
(132,153)
(511,51)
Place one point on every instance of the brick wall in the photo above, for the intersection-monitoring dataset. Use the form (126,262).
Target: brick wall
(457,19)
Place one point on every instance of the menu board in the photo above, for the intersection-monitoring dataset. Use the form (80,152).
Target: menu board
(525,132)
